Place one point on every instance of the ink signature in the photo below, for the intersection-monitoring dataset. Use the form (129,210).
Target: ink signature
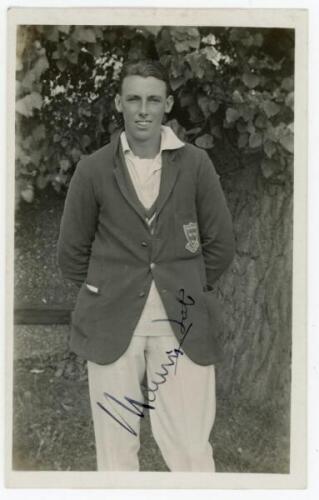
(183,329)
(138,407)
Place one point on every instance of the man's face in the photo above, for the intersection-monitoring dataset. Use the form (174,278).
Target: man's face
(143,102)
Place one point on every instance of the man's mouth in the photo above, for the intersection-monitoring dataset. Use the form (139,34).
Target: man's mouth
(143,123)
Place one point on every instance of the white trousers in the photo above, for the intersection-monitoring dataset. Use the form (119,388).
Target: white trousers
(181,393)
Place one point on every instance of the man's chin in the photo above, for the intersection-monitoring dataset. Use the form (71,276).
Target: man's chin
(143,135)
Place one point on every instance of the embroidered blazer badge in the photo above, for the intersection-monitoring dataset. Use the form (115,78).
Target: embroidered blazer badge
(192,236)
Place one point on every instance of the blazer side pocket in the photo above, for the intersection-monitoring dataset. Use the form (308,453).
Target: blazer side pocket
(92,289)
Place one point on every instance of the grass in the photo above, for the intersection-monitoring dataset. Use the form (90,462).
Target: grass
(53,428)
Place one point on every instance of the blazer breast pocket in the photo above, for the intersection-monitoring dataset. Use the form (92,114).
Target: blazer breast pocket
(187,236)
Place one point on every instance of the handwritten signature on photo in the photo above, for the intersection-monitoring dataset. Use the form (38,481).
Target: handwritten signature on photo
(138,407)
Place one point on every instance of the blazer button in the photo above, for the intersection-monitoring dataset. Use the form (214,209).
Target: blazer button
(141,294)
(144,243)
(152,265)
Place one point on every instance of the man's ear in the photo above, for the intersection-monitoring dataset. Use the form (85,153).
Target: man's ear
(169,103)
(118,103)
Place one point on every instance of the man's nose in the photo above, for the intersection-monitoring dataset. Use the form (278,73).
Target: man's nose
(143,108)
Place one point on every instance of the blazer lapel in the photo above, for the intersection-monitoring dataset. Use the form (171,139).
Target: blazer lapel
(123,183)
(170,171)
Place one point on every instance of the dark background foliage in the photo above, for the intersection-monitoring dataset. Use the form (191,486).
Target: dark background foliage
(231,86)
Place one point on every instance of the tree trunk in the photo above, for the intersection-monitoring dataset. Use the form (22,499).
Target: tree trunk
(256,291)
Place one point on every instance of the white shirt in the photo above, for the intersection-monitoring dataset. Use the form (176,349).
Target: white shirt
(145,174)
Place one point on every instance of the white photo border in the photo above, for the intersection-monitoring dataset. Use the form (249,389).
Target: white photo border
(281,18)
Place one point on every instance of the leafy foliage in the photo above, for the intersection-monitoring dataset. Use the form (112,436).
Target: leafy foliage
(232,84)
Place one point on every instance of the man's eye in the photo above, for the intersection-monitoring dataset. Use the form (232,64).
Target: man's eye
(155,99)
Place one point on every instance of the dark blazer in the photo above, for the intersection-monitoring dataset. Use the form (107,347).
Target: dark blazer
(105,241)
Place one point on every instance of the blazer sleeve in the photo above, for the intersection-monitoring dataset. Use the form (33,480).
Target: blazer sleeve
(78,226)
(215,224)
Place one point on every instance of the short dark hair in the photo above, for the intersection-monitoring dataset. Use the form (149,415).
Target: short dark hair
(145,68)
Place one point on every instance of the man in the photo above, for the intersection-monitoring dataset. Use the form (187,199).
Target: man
(146,233)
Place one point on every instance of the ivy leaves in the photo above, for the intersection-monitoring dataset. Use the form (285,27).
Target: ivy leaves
(28,104)
(228,81)
(205,141)
(251,80)
(185,39)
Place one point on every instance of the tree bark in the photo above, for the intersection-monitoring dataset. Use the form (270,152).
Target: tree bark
(256,291)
